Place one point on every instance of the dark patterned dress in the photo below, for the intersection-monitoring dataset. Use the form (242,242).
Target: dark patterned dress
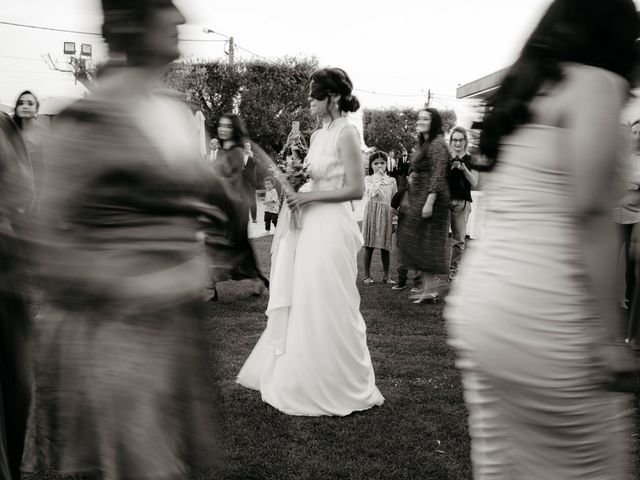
(423,241)
(123,373)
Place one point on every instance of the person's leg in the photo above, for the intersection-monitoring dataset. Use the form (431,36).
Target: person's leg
(634,313)
(403,273)
(253,207)
(368,255)
(274,219)
(459,217)
(386,260)
(267,221)
(629,275)
(15,378)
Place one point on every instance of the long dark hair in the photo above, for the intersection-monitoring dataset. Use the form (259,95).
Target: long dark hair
(435,128)
(238,130)
(16,118)
(16,176)
(591,32)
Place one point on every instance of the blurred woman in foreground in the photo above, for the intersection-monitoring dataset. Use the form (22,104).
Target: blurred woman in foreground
(16,196)
(533,314)
(122,389)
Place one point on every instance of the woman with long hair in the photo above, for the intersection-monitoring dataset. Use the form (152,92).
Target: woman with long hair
(533,314)
(24,115)
(312,358)
(16,196)
(423,238)
(242,263)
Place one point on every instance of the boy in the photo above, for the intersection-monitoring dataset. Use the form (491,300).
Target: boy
(271,204)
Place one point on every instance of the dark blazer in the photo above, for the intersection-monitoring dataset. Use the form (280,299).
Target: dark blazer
(249,175)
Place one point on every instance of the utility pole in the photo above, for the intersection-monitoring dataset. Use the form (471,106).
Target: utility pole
(231,50)
(429,98)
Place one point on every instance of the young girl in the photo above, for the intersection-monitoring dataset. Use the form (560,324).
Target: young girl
(377,224)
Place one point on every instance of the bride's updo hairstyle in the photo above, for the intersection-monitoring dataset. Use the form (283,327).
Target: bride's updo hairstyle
(334,81)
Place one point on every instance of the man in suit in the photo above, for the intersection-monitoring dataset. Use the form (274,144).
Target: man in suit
(214,146)
(392,165)
(249,180)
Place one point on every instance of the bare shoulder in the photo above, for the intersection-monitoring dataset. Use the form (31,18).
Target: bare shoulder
(586,80)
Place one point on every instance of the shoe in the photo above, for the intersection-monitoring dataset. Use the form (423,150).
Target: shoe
(259,288)
(214,299)
(416,289)
(399,286)
(368,281)
(428,298)
(388,281)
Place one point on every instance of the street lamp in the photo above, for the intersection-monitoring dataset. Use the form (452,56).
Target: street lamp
(230,42)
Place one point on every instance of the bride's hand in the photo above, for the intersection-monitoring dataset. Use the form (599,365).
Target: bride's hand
(298,200)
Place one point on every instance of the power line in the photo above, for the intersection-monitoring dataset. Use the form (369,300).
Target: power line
(254,53)
(388,94)
(38,27)
(32,59)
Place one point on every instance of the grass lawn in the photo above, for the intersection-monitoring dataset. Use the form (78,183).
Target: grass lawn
(419,433)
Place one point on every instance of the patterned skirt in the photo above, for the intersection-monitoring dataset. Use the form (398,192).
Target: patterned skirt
(423,241)
(377,225)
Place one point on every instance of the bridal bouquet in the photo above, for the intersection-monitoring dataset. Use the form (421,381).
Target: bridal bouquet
(294,173)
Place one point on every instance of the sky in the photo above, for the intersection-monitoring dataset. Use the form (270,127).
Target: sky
(399,49)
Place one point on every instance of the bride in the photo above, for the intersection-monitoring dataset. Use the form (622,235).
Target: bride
(312,359)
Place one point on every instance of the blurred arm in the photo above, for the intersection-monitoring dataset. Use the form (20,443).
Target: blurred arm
(593,111)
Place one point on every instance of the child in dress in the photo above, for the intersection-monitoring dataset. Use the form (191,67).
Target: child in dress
(399,203)
(378,215)
(271,204)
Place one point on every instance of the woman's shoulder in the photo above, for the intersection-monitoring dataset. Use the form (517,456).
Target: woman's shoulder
(584,81)
(438,145)
(578,73)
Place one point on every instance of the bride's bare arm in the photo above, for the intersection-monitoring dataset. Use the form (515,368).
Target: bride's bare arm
(353,189)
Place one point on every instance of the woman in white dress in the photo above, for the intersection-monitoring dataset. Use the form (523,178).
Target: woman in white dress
(312,358)
(533,313)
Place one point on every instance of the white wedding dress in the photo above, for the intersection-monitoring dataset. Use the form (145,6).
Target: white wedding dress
(312,359)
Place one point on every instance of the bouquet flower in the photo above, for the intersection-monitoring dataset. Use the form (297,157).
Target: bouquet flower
(293,175)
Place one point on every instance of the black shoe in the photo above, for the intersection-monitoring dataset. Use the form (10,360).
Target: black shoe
(215,295)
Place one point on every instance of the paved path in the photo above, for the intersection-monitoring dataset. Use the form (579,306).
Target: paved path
(257,229)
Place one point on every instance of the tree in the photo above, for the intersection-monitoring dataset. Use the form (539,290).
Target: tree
(449,119)
(269,96)
(390,129)
(211,86)
(274,96)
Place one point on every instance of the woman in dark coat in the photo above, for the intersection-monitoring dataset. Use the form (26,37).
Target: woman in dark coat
(240,263)
(423,236)
(16,197)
